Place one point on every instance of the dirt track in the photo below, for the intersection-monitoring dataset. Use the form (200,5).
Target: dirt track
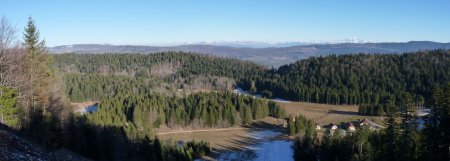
(204,130)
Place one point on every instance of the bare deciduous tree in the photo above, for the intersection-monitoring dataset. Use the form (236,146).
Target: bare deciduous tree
(7,36)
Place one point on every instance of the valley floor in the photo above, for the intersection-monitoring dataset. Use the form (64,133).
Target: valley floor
(325,113)
(237,138)
(319,113)
(240,138)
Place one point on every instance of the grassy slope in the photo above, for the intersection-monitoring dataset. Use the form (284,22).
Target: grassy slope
(324,113)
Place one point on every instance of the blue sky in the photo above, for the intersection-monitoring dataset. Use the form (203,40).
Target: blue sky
(188,21)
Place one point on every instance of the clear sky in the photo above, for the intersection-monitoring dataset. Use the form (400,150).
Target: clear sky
(186,21)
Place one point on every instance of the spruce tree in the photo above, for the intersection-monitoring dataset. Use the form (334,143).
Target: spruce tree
(37,62)
(34,46)
(291,125)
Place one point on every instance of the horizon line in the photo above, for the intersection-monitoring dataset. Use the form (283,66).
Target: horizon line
(248,43)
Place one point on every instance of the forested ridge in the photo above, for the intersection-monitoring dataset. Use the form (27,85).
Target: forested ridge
(345,79)
(358,78)
(90,76)
(181,64)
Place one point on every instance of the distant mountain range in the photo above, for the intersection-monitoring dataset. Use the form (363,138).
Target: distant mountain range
(270,56)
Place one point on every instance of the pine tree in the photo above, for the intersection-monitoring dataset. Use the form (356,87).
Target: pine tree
(437,130)
(291,126)
(409,148)
(247,115)
(34,46)
(8,107)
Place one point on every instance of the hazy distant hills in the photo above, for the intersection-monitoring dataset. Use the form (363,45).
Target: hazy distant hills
(271,56)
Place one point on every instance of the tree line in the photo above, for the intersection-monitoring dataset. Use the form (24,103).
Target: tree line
(301,126)
(215,109)
(113,143)
(376,109)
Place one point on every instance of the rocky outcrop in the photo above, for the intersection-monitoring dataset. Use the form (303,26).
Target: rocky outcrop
(14,148)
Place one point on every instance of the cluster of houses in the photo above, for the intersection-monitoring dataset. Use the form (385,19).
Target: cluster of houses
(350,126)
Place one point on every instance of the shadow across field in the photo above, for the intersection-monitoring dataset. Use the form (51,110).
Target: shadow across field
(339,112)
(266,125)
(243,147)
(229,142)
(243,143)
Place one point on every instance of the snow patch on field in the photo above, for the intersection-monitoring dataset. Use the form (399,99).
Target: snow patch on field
(267,150)
(264,134)
(280,100)
(240,91)
(275,150)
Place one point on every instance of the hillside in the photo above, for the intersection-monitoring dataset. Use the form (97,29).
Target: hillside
(14,147)
(343,79)
(160,64)
(165,72)
(271,56)
(358,79)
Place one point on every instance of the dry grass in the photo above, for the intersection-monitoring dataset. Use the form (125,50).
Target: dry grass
(324,114)
(238,138)
(221,139)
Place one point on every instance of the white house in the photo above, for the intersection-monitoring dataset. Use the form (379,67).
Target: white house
(351,127)
(318,127)
(371,124)
(332,126)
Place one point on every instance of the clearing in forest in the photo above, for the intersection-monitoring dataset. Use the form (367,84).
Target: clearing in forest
(324,113)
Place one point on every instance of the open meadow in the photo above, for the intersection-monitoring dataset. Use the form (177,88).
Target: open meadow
(233,138)
(324,113)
